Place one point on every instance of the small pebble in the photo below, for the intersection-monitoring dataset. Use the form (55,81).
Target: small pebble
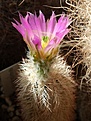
(8,101)
(16,118)
(2,89)
(2,96)
(11,114)
(17,112)
(10,109)
(4,106)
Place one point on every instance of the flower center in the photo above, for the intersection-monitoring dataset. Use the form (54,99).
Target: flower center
(44,41)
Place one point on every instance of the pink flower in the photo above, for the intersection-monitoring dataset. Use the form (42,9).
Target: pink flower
(42,37)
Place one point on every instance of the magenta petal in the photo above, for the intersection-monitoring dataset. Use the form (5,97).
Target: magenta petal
(38,26)
(62,24)
(32,20)
(51,24)
(42,22)
(61,35)
(64,20)
(56,41)
(24,22)
(29,42)
(52,44)
(19,28)
(37,42)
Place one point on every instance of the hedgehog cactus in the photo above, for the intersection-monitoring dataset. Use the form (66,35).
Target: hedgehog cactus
(80,12)
(46,88)
(84,45)
(80,38)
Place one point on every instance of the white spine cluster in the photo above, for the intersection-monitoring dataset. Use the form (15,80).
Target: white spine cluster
(86,39)
(80,12)
(46,97)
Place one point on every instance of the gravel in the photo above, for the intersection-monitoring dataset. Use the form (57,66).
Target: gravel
(9,109)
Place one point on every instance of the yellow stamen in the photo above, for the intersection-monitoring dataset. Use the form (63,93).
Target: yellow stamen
(45,41)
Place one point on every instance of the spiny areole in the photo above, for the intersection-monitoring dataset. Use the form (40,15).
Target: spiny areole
(50,98)
(80,39)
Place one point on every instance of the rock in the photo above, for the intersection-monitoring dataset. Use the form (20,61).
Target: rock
(16,118)
(11,114)
(1,89)
(8,101)
(10,109)
(17,112)
(2,96)
(4,106)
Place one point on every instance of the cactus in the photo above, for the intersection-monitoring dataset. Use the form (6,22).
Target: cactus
(50,97)
(80,12)
(46,89)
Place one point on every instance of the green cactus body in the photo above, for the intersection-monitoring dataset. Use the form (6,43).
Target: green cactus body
(46,95)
